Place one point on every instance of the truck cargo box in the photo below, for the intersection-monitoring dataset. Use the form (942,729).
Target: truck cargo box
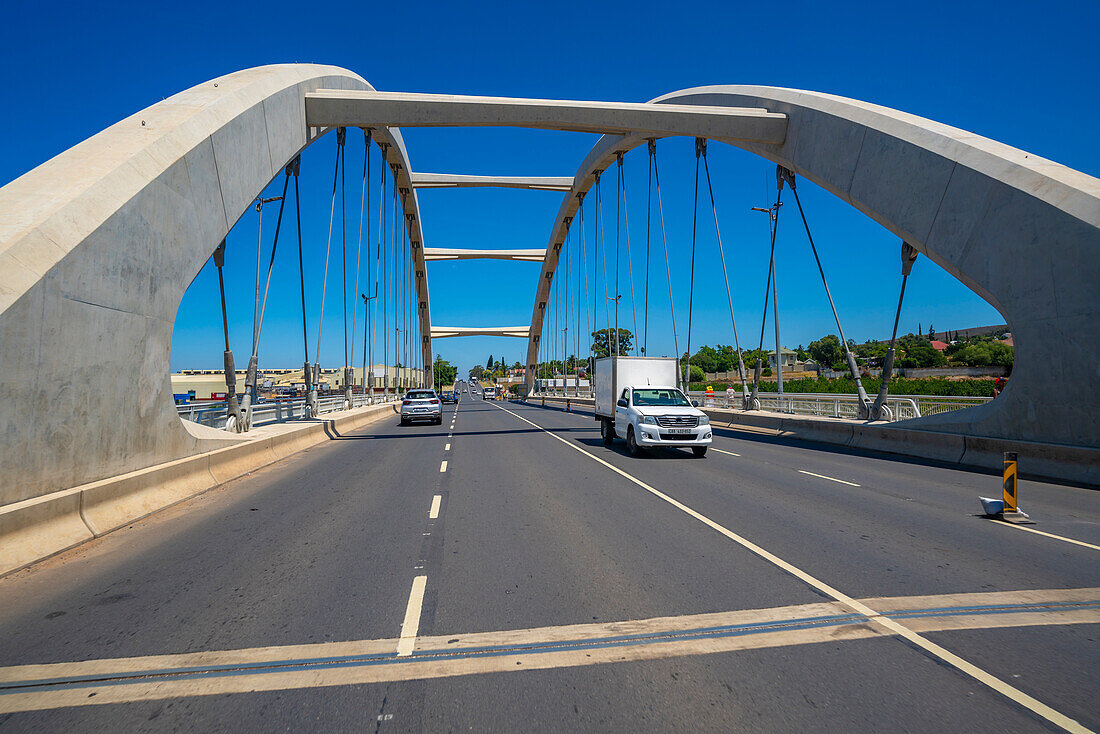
(612,374)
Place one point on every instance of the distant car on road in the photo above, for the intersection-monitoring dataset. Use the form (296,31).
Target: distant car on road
(449,397)
(421,405)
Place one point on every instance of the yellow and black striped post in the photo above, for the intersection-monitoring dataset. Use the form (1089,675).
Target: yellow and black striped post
(1009,475)
(567,405)
(544,401)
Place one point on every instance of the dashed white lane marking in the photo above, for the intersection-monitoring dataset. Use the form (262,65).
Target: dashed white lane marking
(443,466)
(1049,535)
(411,625)
(724,452)
(450,435)
(990,680)
(831,479)
(434,512)
(447,447)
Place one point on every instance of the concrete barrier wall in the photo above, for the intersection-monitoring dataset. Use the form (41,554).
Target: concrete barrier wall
(1044,461)
(43,526)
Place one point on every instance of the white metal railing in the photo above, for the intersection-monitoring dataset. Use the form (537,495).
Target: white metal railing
(832,405)
(842,405)
(213,414)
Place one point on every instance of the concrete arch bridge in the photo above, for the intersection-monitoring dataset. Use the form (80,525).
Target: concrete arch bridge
(99,244)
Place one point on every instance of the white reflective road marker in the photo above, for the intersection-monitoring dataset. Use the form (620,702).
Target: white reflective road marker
(1049,535)
(411,625)
(447,447)
(724,452)
(443,466)
(1055,717)
(434,512)
(822,476)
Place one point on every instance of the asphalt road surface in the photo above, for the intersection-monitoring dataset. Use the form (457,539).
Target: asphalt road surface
(506,571)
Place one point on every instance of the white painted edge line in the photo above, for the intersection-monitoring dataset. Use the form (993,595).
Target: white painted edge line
(1055,717)
(443,466)
(1049,535)
(722,451)
(447,447)
(433,513)
(411,625)
(831,479)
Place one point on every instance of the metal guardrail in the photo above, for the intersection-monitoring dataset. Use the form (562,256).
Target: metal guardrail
(842,405)
(213,414)
(831,405)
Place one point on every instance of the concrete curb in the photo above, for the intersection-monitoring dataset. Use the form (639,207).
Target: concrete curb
(40,527)
(1041,461)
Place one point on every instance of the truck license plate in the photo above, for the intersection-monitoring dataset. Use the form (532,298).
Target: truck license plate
(679,430)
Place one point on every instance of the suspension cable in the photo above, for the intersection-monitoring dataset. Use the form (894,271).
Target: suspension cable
(232,408)
(691,282)
(271,262)
(648,218)
(565,316)
(664,241)
(852,367)
(725,274)
(364,213)
(908,257)
(344,253)
(629,257)
(328,248)
(606,298)
(294,168)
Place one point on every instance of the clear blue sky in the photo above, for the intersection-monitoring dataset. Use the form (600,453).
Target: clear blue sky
(1015,72)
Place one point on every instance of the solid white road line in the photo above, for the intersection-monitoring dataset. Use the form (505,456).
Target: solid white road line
(831,479)
(434,512)
(1049,535)
(447,447)
(443,466)
(1010,692)
(411,625)
(723,452)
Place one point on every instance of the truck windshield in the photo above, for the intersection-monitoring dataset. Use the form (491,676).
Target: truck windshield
(663,397)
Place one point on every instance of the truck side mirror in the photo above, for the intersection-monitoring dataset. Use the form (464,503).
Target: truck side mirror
(622,403)
(695,403)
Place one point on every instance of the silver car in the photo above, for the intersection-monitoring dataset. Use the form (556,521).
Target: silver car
(421,405)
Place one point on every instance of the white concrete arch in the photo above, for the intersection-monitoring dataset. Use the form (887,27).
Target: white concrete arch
(98,246)
(1020,231)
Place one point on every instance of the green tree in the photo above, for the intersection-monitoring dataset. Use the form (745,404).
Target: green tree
(706,359)
(603,342)
(916,351)
(986,354)
(827,351)
(477,372)
(697,373)
(445,372)
(489,363)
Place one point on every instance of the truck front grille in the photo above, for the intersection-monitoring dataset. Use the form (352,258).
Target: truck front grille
(679,437)
(677,421)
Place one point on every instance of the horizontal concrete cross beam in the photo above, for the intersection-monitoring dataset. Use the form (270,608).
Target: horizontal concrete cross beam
(453,253)
(368,109)
(461,180)
(445,332)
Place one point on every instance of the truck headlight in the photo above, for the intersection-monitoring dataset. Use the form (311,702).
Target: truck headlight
(704,421)
(649,420)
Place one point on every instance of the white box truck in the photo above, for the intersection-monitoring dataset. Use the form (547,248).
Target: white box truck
(637,399)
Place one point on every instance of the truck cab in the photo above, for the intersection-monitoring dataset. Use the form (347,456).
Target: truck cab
(637,400)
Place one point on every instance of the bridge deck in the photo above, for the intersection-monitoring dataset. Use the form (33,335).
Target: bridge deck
(533,536)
